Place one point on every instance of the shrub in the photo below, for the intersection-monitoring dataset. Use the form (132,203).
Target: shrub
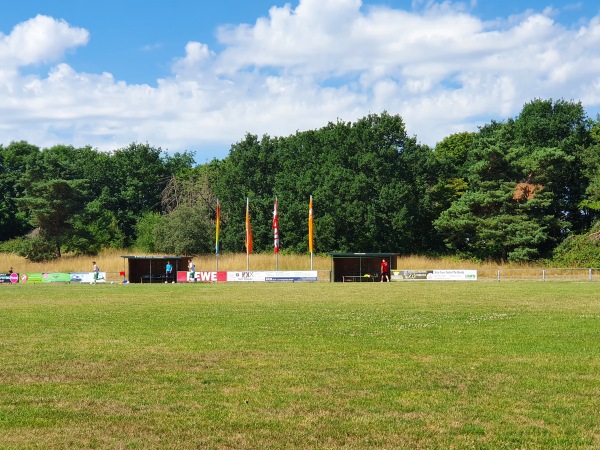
(580,250)
(185,231)
(37,249)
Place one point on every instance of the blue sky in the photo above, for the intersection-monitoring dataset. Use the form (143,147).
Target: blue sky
(197,76)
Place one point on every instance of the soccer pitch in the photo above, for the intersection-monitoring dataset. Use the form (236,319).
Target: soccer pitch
(301,365)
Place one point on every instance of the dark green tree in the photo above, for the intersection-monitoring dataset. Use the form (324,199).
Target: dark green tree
(248,172)
(370,183)
(519,202)
(54,194)
(555,134)
(53,205)
(452,169)
(591,170)
(14,160)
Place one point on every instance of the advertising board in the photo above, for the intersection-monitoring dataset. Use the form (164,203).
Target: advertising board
(435,275)
(248,276)
(9,277)
(62,277)
(201,277)
(280,275)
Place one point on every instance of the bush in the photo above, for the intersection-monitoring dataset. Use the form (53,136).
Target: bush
(579,250)
(12,245)
(37,249)
(185,231)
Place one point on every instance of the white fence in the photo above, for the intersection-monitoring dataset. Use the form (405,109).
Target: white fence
(539,274)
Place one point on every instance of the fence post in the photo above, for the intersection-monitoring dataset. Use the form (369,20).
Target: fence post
(590,272)
(544,274)
(498,274)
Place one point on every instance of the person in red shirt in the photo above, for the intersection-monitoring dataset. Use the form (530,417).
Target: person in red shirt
(384,271)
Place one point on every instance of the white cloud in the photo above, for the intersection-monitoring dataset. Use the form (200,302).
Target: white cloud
(39,40)
(438,66)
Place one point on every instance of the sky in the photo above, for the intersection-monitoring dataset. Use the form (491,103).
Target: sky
(197,76)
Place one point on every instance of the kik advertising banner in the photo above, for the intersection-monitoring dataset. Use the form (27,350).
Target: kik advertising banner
(9,277)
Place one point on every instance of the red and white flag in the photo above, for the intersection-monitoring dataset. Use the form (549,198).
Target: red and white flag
(275,226)
(310,225)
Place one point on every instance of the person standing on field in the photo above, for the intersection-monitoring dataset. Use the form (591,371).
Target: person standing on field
(168,271)
(96,271)
(384,271)
(192,270)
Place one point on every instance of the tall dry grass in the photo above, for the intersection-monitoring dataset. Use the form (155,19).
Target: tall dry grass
(108,260)
(239,261)
(111,260)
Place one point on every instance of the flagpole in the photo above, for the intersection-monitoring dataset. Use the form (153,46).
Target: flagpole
(247,250)
(248,235)
(310,231)
(218,229)
(275,226)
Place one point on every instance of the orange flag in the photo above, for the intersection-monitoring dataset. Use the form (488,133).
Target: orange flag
(248,229)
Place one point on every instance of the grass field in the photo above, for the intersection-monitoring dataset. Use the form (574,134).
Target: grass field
(314,365)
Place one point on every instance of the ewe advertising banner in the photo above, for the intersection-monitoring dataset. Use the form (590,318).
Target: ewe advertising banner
(282,275)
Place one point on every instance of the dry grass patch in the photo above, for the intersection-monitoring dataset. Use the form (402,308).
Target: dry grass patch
(111,260)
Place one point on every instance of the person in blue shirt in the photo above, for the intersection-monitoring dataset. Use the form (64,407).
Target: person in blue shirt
(168,272)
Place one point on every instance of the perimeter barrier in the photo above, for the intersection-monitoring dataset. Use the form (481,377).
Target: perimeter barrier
(549,274)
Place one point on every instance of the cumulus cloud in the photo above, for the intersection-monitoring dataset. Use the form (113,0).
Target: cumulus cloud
(39,40)
(443,69)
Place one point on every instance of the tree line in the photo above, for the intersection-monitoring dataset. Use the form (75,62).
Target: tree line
(523,189)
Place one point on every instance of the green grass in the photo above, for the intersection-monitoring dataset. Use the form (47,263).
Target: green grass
(315,365)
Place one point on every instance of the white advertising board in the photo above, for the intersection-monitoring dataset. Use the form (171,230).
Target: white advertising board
(280,275)
(87,277)
(453,275)
(435,275)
